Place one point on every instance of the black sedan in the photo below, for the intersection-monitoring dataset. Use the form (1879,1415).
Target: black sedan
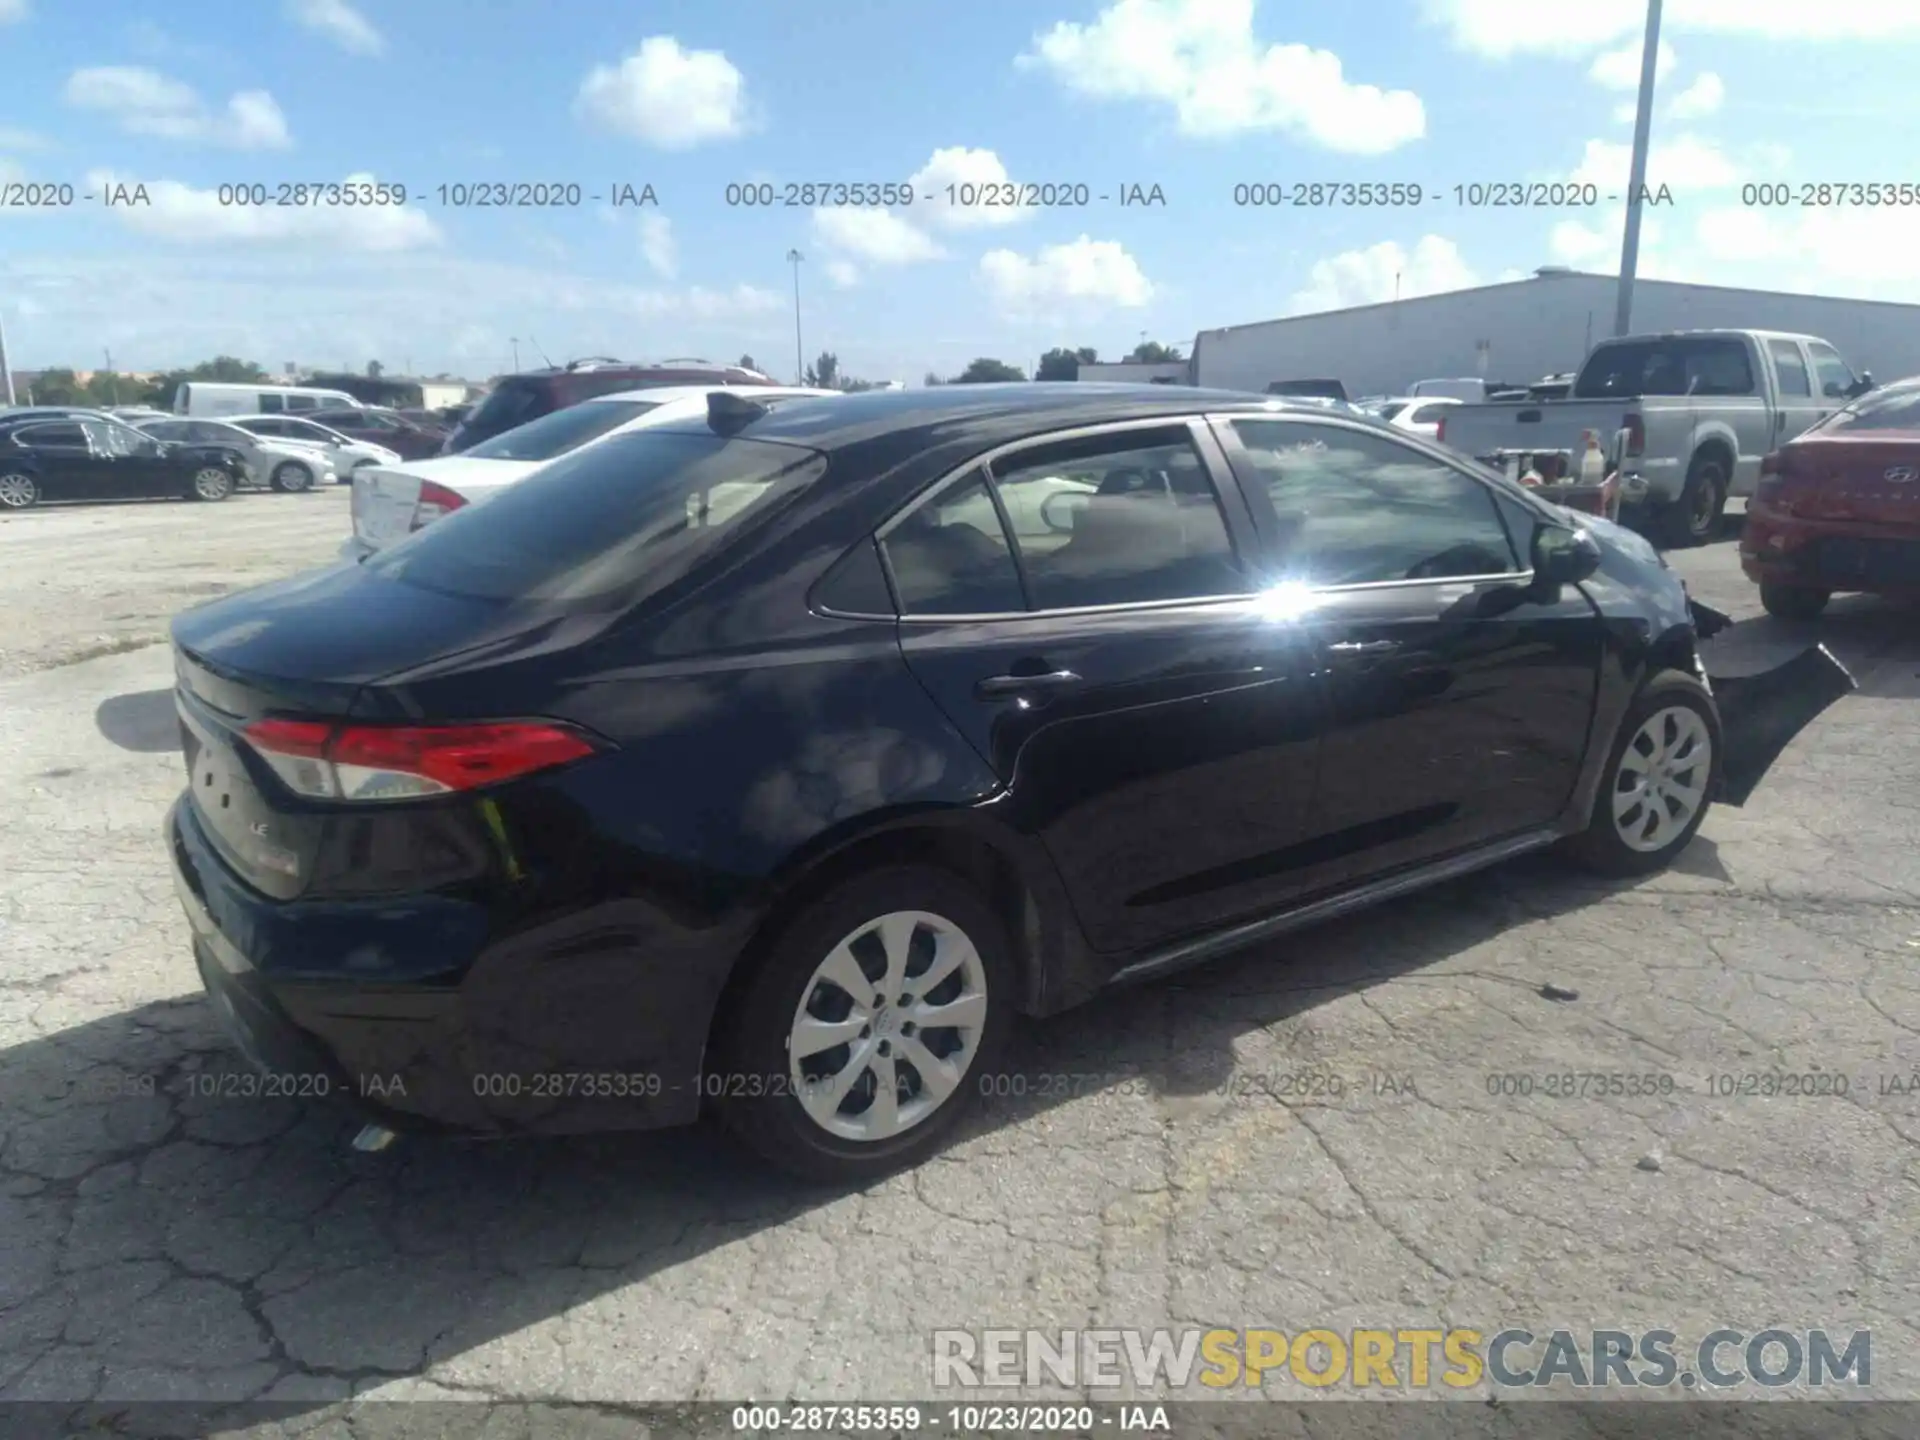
(99,458)
(771,765)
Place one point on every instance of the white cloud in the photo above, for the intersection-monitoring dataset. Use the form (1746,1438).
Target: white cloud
(145,102)
(11,139)
(1202,59)
(665,96)
(843,274)
(12,11)
(1503,28)
(1869,252)
(1700,99)
(447,313)
(1686,163)
(657,245)
(976,175)
(1626,113)
(879,237)
(1379,272)
(181,213)
(1620,69)
(1082,277)
(339,22)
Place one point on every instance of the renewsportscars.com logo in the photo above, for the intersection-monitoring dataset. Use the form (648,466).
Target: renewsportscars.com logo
(1449,1360)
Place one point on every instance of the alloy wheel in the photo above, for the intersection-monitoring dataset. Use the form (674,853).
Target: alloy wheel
(210,483)
(18,491)
(888,1026)
(1662,780)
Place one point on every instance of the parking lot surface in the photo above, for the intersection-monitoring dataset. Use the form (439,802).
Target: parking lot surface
(1318,1133)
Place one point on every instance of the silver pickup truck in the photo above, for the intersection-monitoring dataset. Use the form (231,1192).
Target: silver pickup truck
(1689,415)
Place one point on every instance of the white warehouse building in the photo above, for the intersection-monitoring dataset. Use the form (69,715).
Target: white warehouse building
(1521,330)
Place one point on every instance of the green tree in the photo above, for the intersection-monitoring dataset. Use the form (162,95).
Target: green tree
(1063,364)
(932,379)
(824,373)
(987,372)
(854,387)
(374,367)
(1152,352)
(746,363)
(57,387)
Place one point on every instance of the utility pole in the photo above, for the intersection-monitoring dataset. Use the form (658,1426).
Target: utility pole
(6,371)
(515,342)
(794,257)
(113,380)
(1637,180)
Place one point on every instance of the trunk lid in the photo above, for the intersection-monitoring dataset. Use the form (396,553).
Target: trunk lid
(308,647)
(1870,479)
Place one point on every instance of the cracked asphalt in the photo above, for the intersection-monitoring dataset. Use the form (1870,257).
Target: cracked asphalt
(162,1238)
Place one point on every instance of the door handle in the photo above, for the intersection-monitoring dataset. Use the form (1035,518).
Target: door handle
(995,687)
(1364,647)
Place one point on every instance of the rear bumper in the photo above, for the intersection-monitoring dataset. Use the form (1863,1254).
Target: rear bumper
(500,1043)
(1829,555)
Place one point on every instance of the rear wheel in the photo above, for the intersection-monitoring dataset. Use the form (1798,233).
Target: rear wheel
(1659,779)
(290,477)
(1694,518)
(210,482)
(860,1042)
(18,491)
(1791,602)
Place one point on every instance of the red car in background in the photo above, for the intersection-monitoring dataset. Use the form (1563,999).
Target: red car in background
(410,439)
(1838,509)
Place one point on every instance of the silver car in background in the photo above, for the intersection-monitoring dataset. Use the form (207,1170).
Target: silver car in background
(284,465)
(348,454)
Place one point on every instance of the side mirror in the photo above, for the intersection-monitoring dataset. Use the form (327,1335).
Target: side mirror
(1863,384)
(1562,556)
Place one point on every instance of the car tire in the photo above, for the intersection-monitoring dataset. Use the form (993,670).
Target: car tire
(1793,602)
(18,491)
(210,483)
(290,477)
(1624,837)
(755,1080)
(1694,518)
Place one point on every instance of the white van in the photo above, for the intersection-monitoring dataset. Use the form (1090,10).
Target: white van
(200,397)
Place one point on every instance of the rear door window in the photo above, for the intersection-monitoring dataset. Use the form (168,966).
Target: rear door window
(624,519)
(58,435)
(561,431)
(272,404)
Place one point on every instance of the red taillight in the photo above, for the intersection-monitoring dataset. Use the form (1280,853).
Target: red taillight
(1636,428)
(323,761)
(435,501)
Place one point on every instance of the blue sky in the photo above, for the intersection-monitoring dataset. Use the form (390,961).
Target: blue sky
(1194,96)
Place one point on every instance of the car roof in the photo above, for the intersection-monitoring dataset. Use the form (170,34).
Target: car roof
(997,413)
(667,394)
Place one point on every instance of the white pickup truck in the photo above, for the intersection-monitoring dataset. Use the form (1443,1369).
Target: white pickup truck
(1692,412)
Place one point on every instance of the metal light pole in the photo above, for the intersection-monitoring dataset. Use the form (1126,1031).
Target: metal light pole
(1637,180)
(113,380)
(6,371)
(515,342)
(794,257)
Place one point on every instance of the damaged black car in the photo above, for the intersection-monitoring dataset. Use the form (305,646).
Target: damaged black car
(769,764)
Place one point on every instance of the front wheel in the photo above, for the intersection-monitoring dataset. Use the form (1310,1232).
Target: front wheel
(1659,780)
(18,491)
(290,477)
(1791,602)
(210,482)
(860,1042)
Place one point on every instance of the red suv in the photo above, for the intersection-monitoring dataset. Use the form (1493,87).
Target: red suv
(1838,509)
(520,398)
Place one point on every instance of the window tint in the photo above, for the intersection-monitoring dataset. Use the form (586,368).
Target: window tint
(951,557)
(272,404)
(169,430)
(303,430)
(856,585)
(110,438)
(1359,509)
(59,433)
(1117,520)
(1391,411)
(1879,410)
(302,402)
(374,420)
(1427,415)
(1666,367)
(632,516)
(1836,377)
(208,432)
(513,402)
(561,431)
(1789,367)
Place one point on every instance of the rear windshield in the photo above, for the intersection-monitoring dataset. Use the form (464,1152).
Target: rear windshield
(632,515)
(1878,410)
(561,431)
(1666,367)
(513,402)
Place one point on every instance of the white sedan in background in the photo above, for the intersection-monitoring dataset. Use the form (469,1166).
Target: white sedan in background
(1417,413)
(285,465)
(390,502)
(348,454)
